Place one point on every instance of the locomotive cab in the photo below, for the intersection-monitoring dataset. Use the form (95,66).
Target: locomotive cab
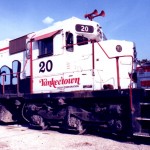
(62,58)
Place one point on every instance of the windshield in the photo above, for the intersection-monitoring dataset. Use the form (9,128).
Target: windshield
(104,37)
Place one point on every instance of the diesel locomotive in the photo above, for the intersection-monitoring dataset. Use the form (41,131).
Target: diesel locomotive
(71,76)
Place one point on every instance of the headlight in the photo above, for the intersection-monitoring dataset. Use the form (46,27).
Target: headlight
(118,48)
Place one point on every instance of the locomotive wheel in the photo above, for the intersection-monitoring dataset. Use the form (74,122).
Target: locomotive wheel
(38,121)
(116,126)
(77,124)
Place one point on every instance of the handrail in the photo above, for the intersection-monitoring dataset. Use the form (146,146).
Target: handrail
(130,87)
(17,74)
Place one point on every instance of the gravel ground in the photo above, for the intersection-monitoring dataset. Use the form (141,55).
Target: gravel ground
(16,137)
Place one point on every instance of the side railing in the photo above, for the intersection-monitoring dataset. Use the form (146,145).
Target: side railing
(9,88)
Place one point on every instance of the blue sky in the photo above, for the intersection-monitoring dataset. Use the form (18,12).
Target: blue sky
(124,20)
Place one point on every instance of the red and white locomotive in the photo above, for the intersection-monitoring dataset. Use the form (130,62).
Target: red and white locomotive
(71,76)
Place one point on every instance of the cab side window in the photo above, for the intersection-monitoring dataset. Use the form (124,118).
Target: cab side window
(69,42)
(81,40)
(45,47)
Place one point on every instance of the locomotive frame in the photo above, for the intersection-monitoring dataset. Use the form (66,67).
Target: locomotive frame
(95,87)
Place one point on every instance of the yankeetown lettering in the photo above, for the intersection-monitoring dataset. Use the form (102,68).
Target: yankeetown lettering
(53,82)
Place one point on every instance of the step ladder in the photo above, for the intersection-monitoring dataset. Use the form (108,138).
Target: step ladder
(144,118)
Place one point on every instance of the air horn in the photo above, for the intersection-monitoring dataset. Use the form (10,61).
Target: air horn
(94,14)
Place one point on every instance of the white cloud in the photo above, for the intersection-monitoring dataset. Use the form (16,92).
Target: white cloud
(48,20)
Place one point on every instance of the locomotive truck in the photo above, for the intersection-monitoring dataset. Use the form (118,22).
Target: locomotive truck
(71,76)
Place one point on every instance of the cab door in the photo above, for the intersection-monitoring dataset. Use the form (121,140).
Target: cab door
(78,63)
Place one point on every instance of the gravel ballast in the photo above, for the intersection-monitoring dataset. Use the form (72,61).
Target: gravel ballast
(16,137)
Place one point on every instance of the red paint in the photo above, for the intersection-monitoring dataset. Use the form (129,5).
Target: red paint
(31,69)
(62,81)
(131,104)
(118,74)
(6,48)
(145,83)
(46,35)
(93,61)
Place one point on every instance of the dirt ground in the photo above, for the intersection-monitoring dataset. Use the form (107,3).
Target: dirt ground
(16,137)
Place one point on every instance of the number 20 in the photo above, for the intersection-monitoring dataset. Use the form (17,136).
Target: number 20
(84,28)
(45,66)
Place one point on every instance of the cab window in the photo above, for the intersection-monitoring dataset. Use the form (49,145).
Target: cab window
(45,47)
(81,40)
(69,41)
